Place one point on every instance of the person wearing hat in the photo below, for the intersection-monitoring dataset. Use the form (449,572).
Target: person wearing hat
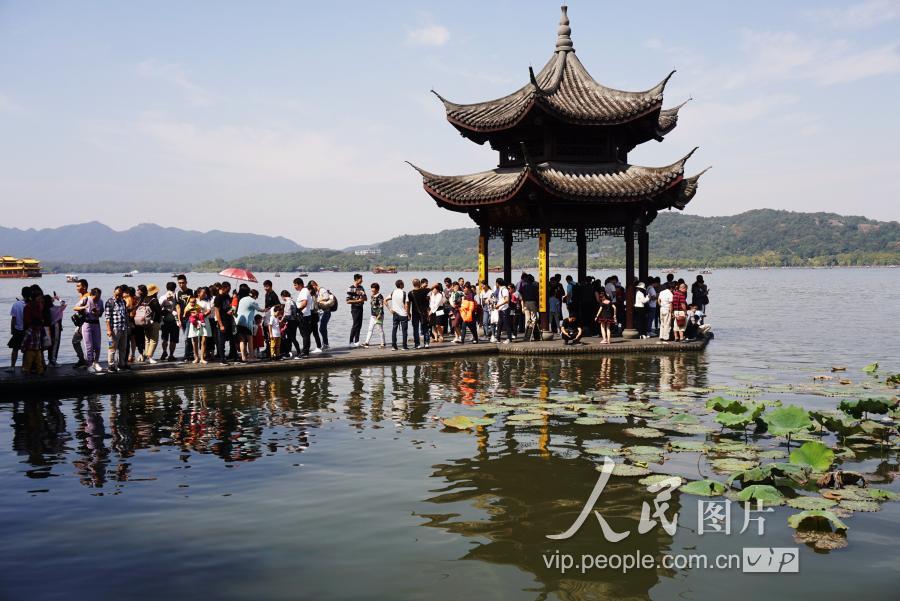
(641,300)
(149,314)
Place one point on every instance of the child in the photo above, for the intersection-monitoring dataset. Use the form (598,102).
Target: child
(32,349)
(376,319)
(276,316)
(259,337)
(193,314)
(606,316)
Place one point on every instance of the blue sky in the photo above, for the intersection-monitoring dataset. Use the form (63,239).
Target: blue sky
(294,118)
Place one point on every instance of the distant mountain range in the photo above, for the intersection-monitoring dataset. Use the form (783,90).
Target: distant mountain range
(763,237)
(94,242)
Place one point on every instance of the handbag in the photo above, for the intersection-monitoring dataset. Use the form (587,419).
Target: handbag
(78,319)
(495,315)
(680,318)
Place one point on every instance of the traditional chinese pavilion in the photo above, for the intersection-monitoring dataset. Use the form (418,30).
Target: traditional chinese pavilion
(563,141)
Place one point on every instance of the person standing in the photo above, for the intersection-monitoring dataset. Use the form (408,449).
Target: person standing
(245,321)
(116,316)
(270,299)
(291,325)
(17,327)
(56,326)
(81,288)
(665,312)
(376,316)
(419,309)
(149,315)
(170,324)
(305,301)
(183,295)
(640,309)
(436,311)
(356,297)
(313,288)
(606,316)
(326,303)
(679,311)
(398,305)
(652,307)
(225,323)
(488,305)
(467,310)
(504,306)
(700,294)
(529,292)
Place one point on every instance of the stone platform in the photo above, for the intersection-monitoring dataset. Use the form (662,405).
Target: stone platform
(64,379)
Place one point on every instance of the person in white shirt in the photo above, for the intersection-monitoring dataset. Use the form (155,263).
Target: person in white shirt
(17,326)
(305,302)
(398,305)
(640,308)
(665,313)
(503,306)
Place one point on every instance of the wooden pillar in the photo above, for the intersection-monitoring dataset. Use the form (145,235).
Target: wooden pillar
(507,255)
(643,255)
(544,277)
(629,331)
(581,242)
(483,237)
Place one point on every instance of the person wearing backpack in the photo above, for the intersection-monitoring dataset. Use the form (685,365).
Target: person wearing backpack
(170,323)
(327,304)
(398,304)
(148,316)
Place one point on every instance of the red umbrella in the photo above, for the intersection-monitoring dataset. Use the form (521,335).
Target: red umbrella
(238,274)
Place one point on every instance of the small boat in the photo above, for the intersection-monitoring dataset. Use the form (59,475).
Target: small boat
(71,279)
(380,269)
(304,275)
(127,275)
(277,275)
(706,271)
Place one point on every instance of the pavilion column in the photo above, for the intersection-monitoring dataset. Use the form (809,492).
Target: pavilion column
(629,332)
(483,237)
(643,255)
(544,277)
(581,242)
(507,255)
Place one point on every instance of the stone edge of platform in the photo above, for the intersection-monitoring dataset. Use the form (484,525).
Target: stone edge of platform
(82,382)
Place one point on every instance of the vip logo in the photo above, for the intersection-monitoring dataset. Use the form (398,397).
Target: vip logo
(780,560)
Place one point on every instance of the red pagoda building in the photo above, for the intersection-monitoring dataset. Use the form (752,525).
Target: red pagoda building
(563,141)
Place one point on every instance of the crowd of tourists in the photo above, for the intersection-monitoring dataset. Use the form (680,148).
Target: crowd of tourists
(225,324)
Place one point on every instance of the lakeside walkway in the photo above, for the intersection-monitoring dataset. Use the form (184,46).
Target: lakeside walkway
(64,379)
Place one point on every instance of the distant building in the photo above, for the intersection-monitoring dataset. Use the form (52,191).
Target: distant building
(363,252)
(12,267)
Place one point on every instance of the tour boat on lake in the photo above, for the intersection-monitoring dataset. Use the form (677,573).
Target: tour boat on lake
(12,267)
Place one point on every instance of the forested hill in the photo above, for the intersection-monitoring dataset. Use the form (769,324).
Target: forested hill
(762,237)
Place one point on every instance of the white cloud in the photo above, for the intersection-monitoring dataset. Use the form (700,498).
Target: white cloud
(430,35)
(176,75)
(867,63)
(859,16)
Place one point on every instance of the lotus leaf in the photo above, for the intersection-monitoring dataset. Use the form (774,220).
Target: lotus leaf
(604,450)
(731,465)
(879,494)
(590,421)
(703,488)
(788,420)
(871,368)
(811,503)
(767,495)
(689,445)
(816,515)
(643,432)
(463,422)
(722,404)
(863,505)
(814,454)
(657,478)
(626,469)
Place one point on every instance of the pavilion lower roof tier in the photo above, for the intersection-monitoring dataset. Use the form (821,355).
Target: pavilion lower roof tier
(552,183)
(564,90)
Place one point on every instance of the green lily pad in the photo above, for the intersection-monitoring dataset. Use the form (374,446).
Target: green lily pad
(879,494)
(525,417)
(703,488)
(731,465)
(816,515)
(767,495)
(643,450)
(657,478)
(464,422)
(772,454)
(590,421)
(787,420)
(768,472)
(604,450)
(871,368)
(810,503)
(643,432)
(853,505)
(689,445)
(814,454)
(721,404)
(685,419)
(861,407)
(627,469)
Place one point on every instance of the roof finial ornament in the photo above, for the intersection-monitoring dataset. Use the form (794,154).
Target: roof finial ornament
(563,39)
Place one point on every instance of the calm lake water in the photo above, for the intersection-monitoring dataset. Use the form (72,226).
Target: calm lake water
(344,484)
